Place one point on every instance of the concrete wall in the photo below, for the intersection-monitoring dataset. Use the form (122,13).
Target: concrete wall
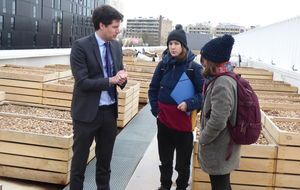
(38,58)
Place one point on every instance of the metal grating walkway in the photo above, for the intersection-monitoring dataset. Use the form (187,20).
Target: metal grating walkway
(129,149)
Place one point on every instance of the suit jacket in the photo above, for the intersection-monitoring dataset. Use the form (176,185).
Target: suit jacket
(87,69)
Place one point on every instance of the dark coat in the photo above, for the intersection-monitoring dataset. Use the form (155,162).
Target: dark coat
(165,78)
(87,70)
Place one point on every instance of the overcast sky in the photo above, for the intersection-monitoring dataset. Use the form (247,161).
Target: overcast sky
(241,12)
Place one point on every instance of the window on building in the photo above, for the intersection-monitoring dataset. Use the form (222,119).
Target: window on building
(1,22)
(36,26)
(0,39)
(34,11)
(34,40)
(51,40)
(12,23)
(4,6)
(9,39)
(52,3)
(37,2)
(58,4)
(13,9)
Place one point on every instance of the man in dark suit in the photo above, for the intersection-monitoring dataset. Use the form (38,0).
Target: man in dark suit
(96,63)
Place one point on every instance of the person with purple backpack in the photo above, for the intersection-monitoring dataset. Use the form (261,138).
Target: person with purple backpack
(219,108)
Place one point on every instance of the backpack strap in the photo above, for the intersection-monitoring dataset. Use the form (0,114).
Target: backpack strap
(189,70)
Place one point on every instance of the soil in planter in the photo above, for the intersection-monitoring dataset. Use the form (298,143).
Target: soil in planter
(283,113)
(36,126)
(35,111)
(288,126)
(262,140)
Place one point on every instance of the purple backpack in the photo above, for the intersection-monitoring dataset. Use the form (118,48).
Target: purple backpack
(248,120)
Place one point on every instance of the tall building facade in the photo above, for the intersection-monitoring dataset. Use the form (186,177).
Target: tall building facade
(30,24)
(231,29)
(200,28)
(153,31)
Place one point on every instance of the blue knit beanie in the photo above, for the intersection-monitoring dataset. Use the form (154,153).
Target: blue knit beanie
(218,50)
(179,35)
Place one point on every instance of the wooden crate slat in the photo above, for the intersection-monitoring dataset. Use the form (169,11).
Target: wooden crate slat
(20,83)
(252,71)
(57,102)
(276,88)
(240,177)
(289,152)
(270,77)
(35,151)
(34,163)
(40,163)
(290,181)
(55,86)
(24,98)
(20,90)
(36,139)
(288,167)
(57,95)
(34,175)
(207,186)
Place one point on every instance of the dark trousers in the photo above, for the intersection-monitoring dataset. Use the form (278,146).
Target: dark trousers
(170,140)
(104,130)
(220,182)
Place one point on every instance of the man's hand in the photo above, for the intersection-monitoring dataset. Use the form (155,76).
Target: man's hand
(182,106)
(122,76)
(119,78)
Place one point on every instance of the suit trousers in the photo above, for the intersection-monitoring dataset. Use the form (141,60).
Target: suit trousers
(170,140)
(104,130)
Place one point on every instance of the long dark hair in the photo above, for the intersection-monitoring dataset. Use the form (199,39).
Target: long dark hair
(210,69)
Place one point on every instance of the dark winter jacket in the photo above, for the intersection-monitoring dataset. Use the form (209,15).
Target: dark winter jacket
(165,78)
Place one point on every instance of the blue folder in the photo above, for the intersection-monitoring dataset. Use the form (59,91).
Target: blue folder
(183,90)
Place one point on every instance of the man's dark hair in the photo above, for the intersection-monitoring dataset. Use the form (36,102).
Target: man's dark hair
(105,14)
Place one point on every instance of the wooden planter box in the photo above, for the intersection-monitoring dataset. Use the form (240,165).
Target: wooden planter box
(59,92)
(129,59)
(252,73)
(25,84)
(274,87)
(257,168)
(42,156)
(62,69)
(144,87)
(37,157)
(128,100)
(288,163)
(283,137)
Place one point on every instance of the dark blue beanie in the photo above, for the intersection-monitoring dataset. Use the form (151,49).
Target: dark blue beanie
(218,50)
(179,35)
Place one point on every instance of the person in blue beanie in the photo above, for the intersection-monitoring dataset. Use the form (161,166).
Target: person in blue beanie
(174,126)
(219,107)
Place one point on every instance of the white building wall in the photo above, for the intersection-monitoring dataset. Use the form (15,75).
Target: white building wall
(275,47)
(37,57)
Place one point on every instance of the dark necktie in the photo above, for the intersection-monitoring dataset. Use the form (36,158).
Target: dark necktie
(109,68)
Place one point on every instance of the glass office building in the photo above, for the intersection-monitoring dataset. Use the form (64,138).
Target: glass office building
(35,24)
